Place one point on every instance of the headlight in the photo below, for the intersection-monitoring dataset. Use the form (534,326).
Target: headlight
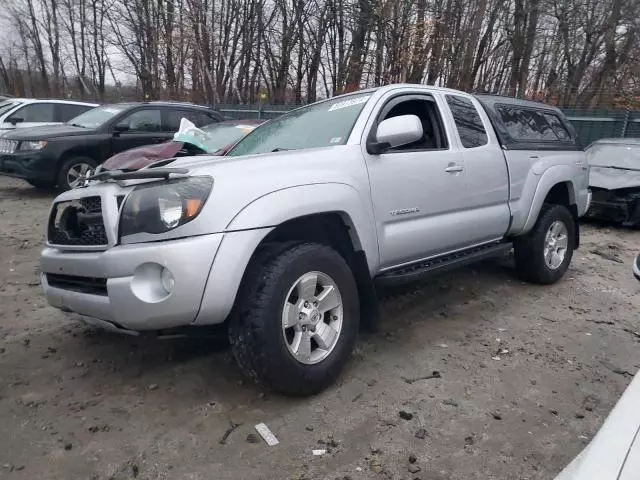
(25,146)
(160,207)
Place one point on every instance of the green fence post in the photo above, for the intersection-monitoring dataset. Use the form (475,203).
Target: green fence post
(625,125)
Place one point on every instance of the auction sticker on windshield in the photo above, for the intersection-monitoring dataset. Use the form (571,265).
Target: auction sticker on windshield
(349,103)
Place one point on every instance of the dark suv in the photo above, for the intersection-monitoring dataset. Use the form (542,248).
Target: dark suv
(62,154)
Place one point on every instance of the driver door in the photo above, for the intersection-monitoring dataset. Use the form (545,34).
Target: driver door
(144,128)
(417,189)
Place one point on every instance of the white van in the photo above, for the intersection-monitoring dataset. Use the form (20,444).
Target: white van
(31,112)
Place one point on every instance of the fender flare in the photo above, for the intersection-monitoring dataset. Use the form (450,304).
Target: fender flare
(290,203)
(549,179)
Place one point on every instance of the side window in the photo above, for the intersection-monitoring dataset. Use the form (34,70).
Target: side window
(67,111)
(173,117)
(468,122)
(558,127)
(35,112)
(433,137)
(207,119)
(526,125)
(145,120)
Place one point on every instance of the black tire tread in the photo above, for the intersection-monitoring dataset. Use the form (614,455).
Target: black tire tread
(528,249)
(62,172)
(246,329)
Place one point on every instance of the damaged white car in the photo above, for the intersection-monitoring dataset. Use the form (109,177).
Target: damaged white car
(614,180)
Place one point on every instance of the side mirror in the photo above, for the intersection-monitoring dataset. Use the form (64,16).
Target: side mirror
(121,127)
(395,132)
(14,120)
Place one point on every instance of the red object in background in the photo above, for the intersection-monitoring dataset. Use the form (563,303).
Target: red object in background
(140,157)
(226,133)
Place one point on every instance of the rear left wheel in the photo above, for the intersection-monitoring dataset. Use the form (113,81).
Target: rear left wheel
(544,254)
(297,318)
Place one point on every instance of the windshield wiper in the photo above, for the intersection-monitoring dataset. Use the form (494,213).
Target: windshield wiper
(77,125)
(278,149)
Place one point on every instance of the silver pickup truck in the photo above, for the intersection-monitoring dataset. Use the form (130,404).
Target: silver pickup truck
(283,241)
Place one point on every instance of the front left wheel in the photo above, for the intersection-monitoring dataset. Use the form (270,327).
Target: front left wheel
(73,170)
(297,317)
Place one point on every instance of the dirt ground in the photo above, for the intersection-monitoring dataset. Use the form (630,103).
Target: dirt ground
(527,375)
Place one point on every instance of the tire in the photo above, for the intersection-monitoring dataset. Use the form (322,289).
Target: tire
(78,164)
(261,344)
(529,250)
(40,184)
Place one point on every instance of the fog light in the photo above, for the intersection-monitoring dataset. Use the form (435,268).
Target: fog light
(168,282)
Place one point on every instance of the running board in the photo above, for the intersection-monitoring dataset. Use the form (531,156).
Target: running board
(434,266)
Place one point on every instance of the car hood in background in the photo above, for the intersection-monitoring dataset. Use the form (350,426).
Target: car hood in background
(45,132)
(615,163)
(614,453)
(613,178)
(140,157)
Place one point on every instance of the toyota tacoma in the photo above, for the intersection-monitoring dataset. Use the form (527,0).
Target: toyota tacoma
(284,240)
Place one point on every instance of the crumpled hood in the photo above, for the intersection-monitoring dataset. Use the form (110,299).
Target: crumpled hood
(614,165)
(613,178)
(140,157)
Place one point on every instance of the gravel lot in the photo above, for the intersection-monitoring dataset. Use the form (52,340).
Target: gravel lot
(527,375)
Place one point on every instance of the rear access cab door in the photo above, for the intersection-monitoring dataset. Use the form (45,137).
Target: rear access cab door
(425,202)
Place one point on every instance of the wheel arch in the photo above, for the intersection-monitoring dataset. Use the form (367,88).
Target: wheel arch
(555,187)
(330,214)
(319,208)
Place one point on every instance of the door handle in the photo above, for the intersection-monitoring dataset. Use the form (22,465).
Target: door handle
(452,168)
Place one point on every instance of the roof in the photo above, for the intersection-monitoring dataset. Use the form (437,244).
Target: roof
(49,100)
(490,99)
(170,103)
(617,141)
(247,121)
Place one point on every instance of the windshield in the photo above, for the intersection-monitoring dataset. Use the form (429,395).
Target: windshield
(7,105)
(320,125)
(98,116)
(221,135)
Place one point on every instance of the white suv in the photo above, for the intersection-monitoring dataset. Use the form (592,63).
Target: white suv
(30,112)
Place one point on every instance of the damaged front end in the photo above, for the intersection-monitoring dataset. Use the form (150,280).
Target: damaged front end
(618,206)
(614,180)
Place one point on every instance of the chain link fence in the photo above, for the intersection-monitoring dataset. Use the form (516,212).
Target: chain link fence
(591,125)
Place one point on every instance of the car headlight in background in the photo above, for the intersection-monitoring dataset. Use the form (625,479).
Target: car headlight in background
(159,207)
(32,145)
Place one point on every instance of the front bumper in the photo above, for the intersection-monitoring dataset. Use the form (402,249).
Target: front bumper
(134,299)
(618,206)
(28,166)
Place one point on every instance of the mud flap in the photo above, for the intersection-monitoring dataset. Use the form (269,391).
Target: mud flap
(576,222)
